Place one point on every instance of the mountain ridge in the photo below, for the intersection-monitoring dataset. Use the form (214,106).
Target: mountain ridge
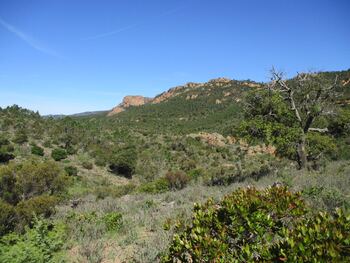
(138,100)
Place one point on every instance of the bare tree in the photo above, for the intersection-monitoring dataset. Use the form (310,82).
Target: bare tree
(309,96)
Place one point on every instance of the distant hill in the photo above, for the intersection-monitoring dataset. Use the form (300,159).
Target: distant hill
(192,89)
(89,113)
(82,114)
(209,106)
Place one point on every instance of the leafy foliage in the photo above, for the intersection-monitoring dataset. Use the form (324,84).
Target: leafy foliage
(340,124)
(6,150)
(71,170)
(124,162)
(29,188)
(249,225)
(39,244)
(37,150)
(59,154)
(20,136)
(43,205)
(113,221)
(7,217)
(158,186)
(144,143)
(287,114)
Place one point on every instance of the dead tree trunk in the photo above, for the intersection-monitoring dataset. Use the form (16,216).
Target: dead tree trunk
(302,154)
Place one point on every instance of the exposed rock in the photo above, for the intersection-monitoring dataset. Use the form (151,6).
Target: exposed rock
(252,85)
(257,149)
(140,100)
(231,139)
(346,82)
(219,81)
(127,102)
(191,85)
(214,139)
(191,97)
(175,91)
(228,165)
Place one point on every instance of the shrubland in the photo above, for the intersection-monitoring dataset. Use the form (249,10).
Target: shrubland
(124,186)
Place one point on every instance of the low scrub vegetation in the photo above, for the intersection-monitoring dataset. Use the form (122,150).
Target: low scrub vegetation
(249,225)
(27,189)
(124,186)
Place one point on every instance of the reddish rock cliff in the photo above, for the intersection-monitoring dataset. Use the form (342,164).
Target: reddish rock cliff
(127,102)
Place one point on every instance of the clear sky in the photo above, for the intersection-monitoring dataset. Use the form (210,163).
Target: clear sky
(69,56)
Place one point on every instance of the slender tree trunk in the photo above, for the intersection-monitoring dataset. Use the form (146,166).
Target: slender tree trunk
(302,155)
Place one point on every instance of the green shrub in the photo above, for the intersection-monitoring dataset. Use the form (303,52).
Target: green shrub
(187,165)
(28,179)
(37,150)
(7,217)
(37,178)
(31,188)
(71,170)
(343,148)
(113,221)
(100,161)
(272,225)
(47,144)
(59,154)
(194,174)
(160,185)
(40,205)
(20,136)
(124,163)
(71,150)
(259,130)
(39,244)
(326,197)
(102,192)
(340,124)
(9,190)
(318,144)
(6,150)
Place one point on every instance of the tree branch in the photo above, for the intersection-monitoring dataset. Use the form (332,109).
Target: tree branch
(321,130)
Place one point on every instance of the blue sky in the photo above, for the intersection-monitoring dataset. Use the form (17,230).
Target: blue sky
(68,56)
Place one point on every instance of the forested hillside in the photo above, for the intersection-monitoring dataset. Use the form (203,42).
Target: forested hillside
(121,187)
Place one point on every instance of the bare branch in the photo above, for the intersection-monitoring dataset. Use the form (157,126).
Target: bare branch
(321,130)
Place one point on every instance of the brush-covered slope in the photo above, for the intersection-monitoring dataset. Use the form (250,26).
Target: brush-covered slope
(216,105)
(115,188)
(210,106)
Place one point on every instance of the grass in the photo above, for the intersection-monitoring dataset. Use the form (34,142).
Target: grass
(148,219)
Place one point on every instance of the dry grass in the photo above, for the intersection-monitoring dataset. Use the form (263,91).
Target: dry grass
(143,237)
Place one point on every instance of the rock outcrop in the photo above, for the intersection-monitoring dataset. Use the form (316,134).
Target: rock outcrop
(127,102)
(219,81)
(178,90)
(214,139)
(175,91)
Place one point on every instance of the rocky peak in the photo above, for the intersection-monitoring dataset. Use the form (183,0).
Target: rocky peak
(175,91)
(127,102)
(134,101)
(219,81)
